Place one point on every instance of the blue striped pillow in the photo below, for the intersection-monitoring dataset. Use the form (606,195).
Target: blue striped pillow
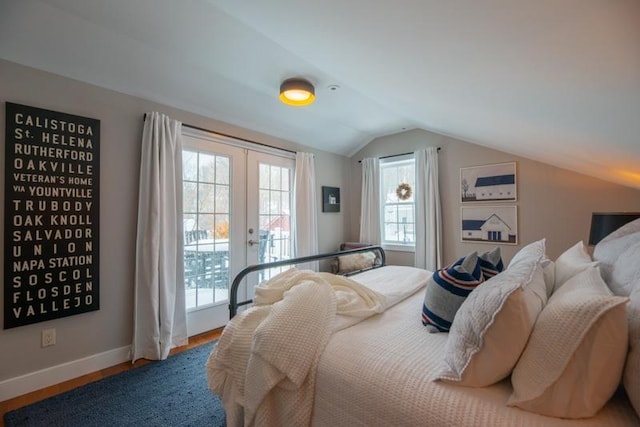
(446,291)
(491,263)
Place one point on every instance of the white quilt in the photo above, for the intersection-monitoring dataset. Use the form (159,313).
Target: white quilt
(374,372)
(264,365)
(377,373)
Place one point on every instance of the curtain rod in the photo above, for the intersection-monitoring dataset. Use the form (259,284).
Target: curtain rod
(232,136)
(395,155)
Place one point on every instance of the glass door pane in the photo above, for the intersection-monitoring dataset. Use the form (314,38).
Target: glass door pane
(214,185)
(270,180)
(206,227)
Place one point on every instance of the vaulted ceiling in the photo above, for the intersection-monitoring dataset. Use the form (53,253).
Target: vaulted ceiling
(555,81)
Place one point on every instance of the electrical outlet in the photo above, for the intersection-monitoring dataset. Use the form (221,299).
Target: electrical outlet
(48,337)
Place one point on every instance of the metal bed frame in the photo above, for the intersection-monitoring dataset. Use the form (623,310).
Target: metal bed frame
(233,300)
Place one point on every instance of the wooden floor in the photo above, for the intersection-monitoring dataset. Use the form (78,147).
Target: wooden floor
(20,401)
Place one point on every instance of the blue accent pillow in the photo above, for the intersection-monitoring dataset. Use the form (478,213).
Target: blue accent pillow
(446,291)
(491,263)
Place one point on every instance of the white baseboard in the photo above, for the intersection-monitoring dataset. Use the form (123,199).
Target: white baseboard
(33,381)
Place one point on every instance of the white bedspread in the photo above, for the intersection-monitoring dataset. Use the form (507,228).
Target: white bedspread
(264,365)
(376,373)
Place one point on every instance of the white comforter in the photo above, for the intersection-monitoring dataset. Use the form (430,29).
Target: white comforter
(378,373)
(373,373)
(264,365)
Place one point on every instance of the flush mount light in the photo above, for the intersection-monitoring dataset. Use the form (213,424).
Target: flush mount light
(297,92)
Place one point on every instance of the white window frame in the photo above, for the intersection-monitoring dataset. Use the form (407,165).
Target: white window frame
(409,247)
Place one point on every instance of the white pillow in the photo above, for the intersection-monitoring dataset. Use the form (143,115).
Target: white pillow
(549,270)
(571,262)
(535,250)
(631,375)
(573,362)
(612,246)
(625,275)
(354,262)
(618,254)
(625,280)
(492,326)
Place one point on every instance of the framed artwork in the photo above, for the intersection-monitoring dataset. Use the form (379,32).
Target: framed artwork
(54,221)
(330,199)
(489,224)
(489,183)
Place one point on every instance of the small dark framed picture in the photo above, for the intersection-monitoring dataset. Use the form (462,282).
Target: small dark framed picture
(330,199)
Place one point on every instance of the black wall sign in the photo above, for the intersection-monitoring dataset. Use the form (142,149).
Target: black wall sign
(52,201)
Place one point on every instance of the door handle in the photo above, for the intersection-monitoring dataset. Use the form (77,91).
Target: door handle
(253,242)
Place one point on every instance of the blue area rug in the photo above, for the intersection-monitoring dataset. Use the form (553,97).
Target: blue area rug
(173,392)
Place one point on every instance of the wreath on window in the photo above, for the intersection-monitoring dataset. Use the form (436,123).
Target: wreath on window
(404,191)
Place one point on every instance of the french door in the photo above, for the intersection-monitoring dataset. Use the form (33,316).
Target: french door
(237,206)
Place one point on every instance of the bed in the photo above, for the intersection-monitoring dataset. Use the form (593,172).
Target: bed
(381,366)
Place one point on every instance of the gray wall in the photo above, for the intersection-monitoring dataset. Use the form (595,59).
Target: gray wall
(553,203)
(121,119)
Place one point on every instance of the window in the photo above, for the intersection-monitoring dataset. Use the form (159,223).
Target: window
(274,213)
(206,184)
(397,182)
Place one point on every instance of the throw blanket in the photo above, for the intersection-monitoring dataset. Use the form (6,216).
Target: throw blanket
(264,365)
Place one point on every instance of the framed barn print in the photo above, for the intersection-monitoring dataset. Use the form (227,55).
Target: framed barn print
(489,183)
(489,224)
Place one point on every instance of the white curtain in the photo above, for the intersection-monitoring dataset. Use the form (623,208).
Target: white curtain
(305,216)
(370,202)
(159,312)
(428,211)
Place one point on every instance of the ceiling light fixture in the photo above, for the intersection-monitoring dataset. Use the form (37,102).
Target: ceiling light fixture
(297,92)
